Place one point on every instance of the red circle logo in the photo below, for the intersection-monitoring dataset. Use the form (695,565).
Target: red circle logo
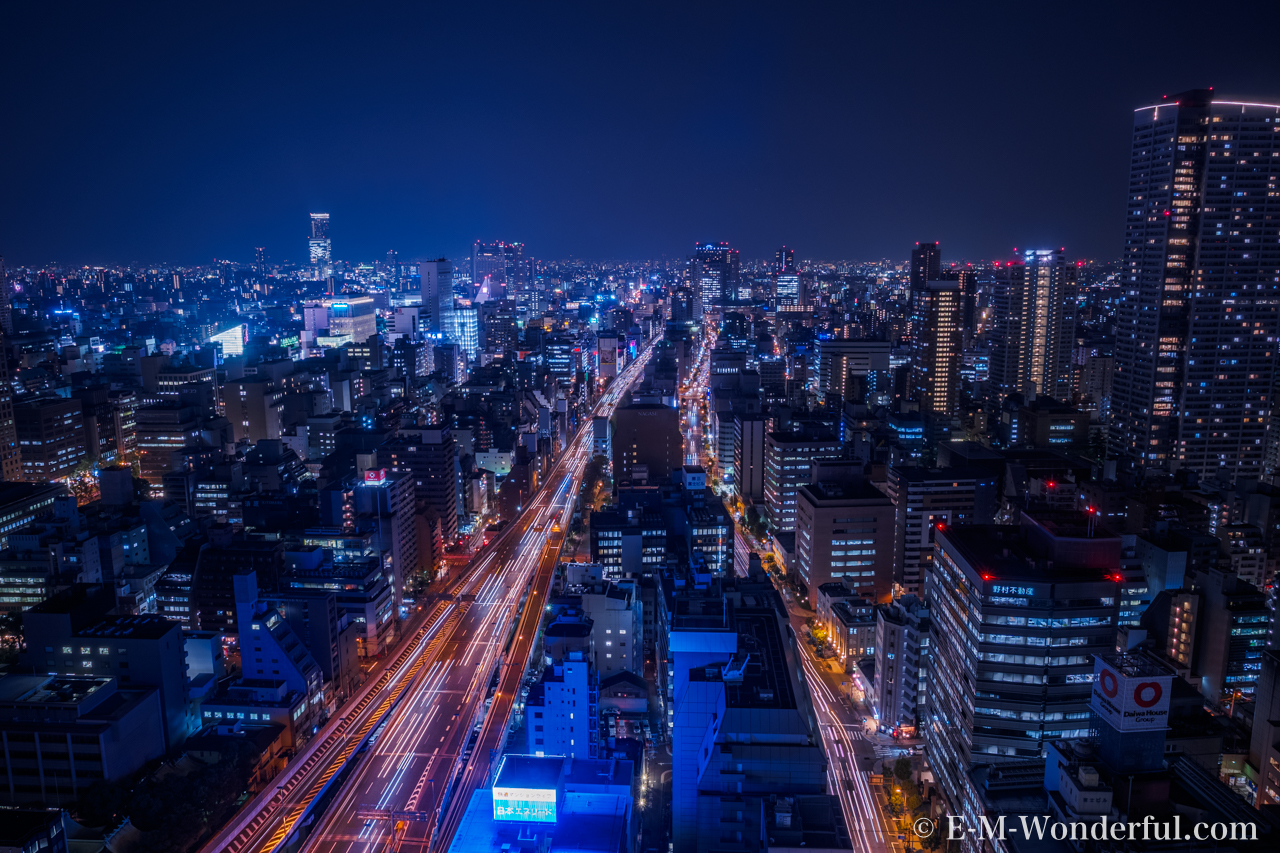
(1147,694)
(1109,684)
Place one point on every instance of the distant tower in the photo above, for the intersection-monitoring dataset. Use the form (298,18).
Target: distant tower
(437,297)
(393,267)
(1035,325)
(785,261)
(260,258)
(926,263)
(715,272)
(321,249)
(6,307)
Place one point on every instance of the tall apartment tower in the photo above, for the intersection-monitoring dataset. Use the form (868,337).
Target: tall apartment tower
(926,264)
(785,259)
(1197,325)
(1035,324)
(937,346)
(320,249)
(716,270)
(437,297)
(6,306)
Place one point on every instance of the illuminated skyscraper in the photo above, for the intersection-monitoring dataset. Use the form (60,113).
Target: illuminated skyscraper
(936,351)
(787,292)
(926,264)
(6,306)
(1034,328)
(500,262)
(321,249)
(1197,324)
(715,270)
(437,296)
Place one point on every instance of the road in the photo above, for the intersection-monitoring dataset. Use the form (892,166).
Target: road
(424,747)
(427,697)
(852,750)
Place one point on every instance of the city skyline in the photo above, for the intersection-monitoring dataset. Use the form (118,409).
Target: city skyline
(832,134)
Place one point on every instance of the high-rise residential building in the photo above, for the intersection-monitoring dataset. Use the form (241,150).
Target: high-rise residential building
(926,264)
(1034,328)
(788,460)
(926,501)
(320,249)
(898,695)
(843,534)
(715,270)
(437,297)
(937,347)
(1019,612)
(1197,324)
(6,306)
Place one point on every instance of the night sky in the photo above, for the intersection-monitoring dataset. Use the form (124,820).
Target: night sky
(186,132)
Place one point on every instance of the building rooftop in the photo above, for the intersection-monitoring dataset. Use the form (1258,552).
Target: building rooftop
(529,771)
(147,627)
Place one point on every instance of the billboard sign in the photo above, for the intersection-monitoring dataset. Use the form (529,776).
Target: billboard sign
(1130,703)
(527,805)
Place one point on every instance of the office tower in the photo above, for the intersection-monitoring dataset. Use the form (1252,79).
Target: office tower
(319,246)
(10,463)
(852,369)
(788,459)
(51,432)
(843,534)
(784,260)
(647,444)
(937,347)
(1019,613)
(1035,325)
(500,262)
(430,454)
(715,270)
(628,542)
(6,306)
(501,329)
(437,297)
(748,456)
(393,268)
(1195,352)
(927,500)
(926,264)
(466,321)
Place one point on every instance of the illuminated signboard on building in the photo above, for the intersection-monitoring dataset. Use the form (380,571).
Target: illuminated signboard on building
(528,805)
(375,478)
(1131,701)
